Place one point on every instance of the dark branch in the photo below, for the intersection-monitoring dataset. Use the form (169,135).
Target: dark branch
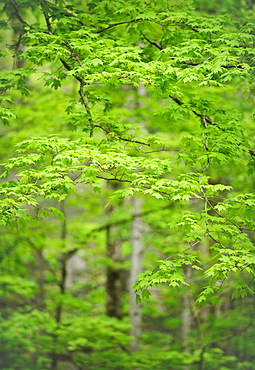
(188,25)
(85,102)
(113,179)
(239,66)
(66,65)
(118,24)
(84,99)
(47,20)
(86,105)
(126,22)
(205,119)
(16,12)
(120,137)
(153,42)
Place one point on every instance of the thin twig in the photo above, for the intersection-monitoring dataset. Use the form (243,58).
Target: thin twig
(81,93)
(213,208)
(16,12)
(203,117)
(67,66)
(176,254)
(86,105)
(113,179)
(206,144)
(157,44)
(126,22)
(118,24)
(120,137)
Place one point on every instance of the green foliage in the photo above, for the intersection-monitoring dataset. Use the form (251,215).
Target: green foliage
(157,101)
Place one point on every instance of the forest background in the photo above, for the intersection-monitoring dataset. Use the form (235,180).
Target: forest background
(127,192)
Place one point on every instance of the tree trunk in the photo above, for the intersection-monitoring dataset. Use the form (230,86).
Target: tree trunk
(136,268)
(114,271)
(39,274)
(62,286)
(186,314)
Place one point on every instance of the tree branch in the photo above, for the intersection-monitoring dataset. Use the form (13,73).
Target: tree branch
(113,179)
(16,13)
(118,24)
(126,22)
(158,45)
(66,65)
(47,22)
(120,137)
(86,105)
(81,93)
(206,145)
(239,66)
(17,46)
(205,119)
